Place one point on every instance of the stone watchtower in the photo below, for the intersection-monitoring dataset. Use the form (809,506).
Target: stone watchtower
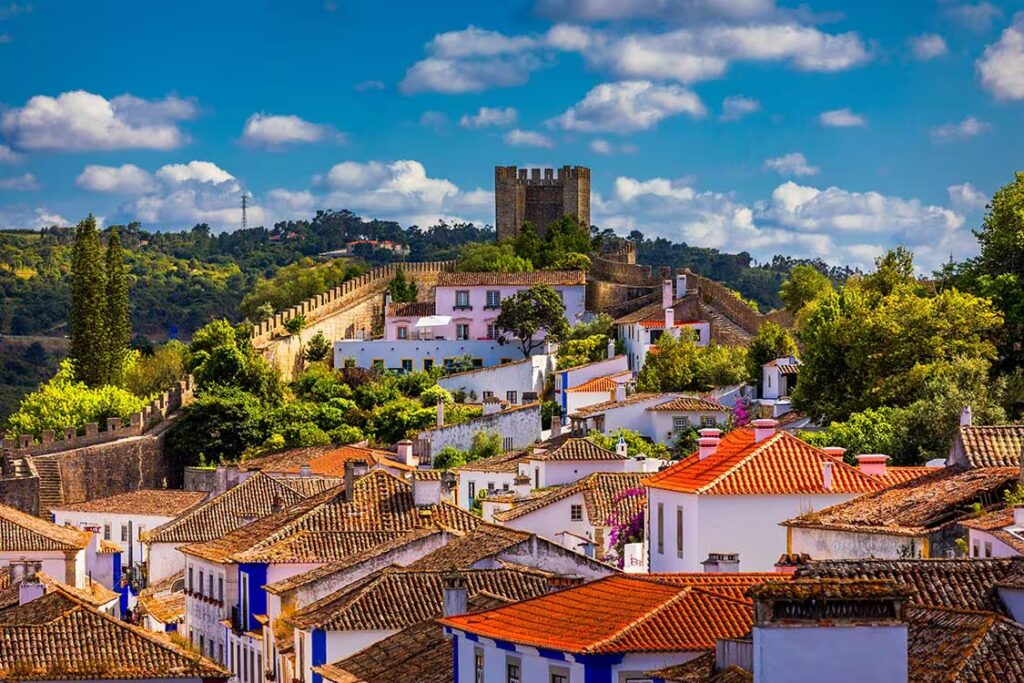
(540,197)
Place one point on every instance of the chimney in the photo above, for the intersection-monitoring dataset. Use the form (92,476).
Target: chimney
(440,413)
(491,405)
(872,464)
(455,594)
(305,470)
(680,285)
(621,449)
(670,318)
(426,493)
(521,485)
(620,393)
(350,481)
(611,348)
(666,294)
(835,452)
(764,428)
(405,452)
(360,468)
(966,417)
(826,475)
(277,504)
(708,442)
(556,425)
(30,586)
(722,563)
(789,562)
(1018,516)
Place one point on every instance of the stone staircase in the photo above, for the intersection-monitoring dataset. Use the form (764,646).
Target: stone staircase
(51,486)
(724,330)
(20,467)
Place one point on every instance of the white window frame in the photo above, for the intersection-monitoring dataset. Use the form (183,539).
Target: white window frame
(575,512)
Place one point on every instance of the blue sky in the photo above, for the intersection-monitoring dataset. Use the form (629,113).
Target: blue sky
(829,129)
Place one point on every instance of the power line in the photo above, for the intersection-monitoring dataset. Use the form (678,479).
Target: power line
(245,222)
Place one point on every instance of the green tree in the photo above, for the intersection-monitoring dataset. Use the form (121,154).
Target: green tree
(401,288)
(573,352)
(118,316)
(88,310)
(770,342)
(318,348)
(147,375)
(219,426)
(636,444)
(669,366)
(718,365)
(400,418)
(892,270)
(295,324)
(530,311)
(1001,235)
(476,257)
(805,284)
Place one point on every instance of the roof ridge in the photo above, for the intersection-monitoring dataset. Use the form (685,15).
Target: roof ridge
(740,463)
(682,593)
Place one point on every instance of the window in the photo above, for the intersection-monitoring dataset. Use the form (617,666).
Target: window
(210,594)
(492,331)
(220,652)
(988,549)
(536,477)
(191,586)
(707,422)
(472,491)
(403,332)
(504,361)
(200,581)
(462,331)
(428,363)
(377,364)
(513,671)
(493,298)
(106,532)
(679,530)
(490,486)
(191,636)
(462,298)
(661,528)
(124,533)
(506,443)
(680,423)
(487,394)
(407,364)
(478,666)
(220,588)
(505,486)
(576,513)
(512,397)
(769,380)
(477,362)
(559,675)
(975,552)
(202,644)
(529,396)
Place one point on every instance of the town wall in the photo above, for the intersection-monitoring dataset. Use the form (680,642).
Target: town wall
(540,197)
(520,424)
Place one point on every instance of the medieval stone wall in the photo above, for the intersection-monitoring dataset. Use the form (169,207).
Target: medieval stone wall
(539,196)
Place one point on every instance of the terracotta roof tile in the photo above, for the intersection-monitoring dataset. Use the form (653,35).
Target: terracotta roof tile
(20,532)
(702,670)
(164,502)
(639,397)
(94,593)
(963,646)
(993,446)
(731,584)
(603,497)
(691,404)
(410,309)
(614,615)
(916,507)
(503,462)
(167,608)
(514,279)
(778,464)
(998,524)
(57,637)
(323,461)
(573,449)
(856,588)
(599,384)
(900,475)
(395,598)
(463,552)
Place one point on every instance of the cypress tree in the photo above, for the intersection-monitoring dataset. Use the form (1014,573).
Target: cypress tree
(118,320)
(88,328)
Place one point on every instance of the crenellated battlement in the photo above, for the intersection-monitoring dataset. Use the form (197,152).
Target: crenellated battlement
(539,196)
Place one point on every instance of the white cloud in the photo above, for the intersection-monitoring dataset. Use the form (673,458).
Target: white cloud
(22,218)
(527,138)
(928,46)
(21,183)
(689,10)
(794,163)
(81,121)
(975,16)
(197,171)
(435,120)
(626,106)
(968,128)
(276,130)
(602,146)
(291,201)
(1001,67)
(842,118)
(8,155)
(126,179)
(367,86)
(965,197)
(490,116)
(736,107)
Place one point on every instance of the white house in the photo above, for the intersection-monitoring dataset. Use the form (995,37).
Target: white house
(423,354)
(729,498)
(778,377)
(496,474)
(520,381)
(996,534)
(575,377)
(658,417)
(677,310)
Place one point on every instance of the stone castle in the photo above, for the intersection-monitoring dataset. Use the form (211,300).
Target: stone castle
(539,196)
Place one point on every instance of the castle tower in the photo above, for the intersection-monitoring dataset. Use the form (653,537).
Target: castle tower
(539,196)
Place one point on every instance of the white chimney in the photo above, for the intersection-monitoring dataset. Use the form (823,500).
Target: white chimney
(722,562)
(680,286)
(425,492)
(491,406)
(556,425)
(872,464)
(522,485)
(305,470)
(620,392)
(455,594)
(826,475)
(405,456)
(611,348)
(708,442)
(835,452)
(965,416)
(29,590)
(621,449)
(440,413)
(670,318)
(1018,516)
(764,428)
(666,294)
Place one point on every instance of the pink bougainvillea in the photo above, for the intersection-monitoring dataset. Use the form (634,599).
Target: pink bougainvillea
(626,527)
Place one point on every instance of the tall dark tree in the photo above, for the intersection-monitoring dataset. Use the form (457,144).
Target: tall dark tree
(118,317)
(88,320)
(531,311)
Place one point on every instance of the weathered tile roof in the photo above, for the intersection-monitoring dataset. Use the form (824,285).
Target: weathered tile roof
(323,461)
(963,646)
(599,384)
(731,584)
(899,475)
(916,507)
(20,532)
(503,462)
(778,464)
(639,397)
(652,312)
(109,547)
(575,448)
(992,446)
(997,524)
(94,593)
(57,637)
(690,404)
(614,615)
(255,497)
(487,540)
(702,670)
(163,502)
(418,653)
(164,604)
(957,583)
(395,598)
(410,309)
(831,588)
(603,497)
(522,278)
(325,527)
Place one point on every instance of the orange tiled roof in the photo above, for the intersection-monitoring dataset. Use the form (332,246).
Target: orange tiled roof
(963,645)
(614,615)
(997,525)
(778,464)
(20,532)
(93,593)
(690,404)
(606,383)
(732,584)
(57,637)
(992,446)
(603,497)
(164,502)
(575,448)
(514,279)
(638,397)
(323,461)
(503,462)
(167,608)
